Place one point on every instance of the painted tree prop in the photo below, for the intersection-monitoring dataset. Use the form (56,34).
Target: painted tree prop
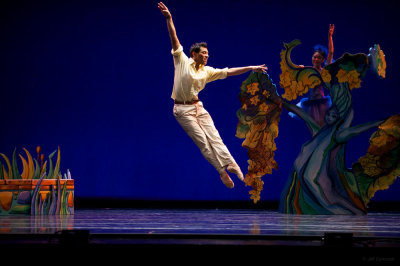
(258,124)
(380,167)
(319,182)
(39,189)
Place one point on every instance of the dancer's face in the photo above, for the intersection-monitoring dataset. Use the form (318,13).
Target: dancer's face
(331,116)
(317,60)
(201,57)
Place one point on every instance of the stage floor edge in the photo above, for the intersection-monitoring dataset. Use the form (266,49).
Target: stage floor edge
(366,238)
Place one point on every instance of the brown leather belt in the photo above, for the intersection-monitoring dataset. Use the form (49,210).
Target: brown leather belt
(188,103)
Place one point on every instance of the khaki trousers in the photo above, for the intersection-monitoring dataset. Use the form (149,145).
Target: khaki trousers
(198,124)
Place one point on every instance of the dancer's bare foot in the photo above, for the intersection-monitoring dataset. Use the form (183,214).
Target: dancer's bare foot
(226,179)
(235,169)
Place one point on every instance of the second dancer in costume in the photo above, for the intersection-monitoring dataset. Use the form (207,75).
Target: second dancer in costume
(317,102)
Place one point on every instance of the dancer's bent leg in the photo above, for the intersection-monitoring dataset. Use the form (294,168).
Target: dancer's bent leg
(187,117)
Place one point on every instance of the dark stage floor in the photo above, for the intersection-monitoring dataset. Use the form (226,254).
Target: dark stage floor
(371,238)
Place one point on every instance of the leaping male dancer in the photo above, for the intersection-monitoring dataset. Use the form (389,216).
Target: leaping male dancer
(191,76)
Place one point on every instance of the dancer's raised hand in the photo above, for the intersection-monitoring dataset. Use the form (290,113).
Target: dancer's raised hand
(164,9)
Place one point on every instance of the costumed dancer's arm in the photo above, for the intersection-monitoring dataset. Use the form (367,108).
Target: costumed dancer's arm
(170,24)
(348,133)
(240,70)
(330,44)
(311,124)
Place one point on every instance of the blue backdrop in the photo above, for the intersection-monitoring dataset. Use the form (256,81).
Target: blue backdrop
(95,78)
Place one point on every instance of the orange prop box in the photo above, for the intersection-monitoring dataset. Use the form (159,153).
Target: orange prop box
(22,196)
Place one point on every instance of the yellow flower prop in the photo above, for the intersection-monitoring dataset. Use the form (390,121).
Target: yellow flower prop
(254,100)
(252,88)
(377,60)
(266,94)
(326,76)
(258,126)
(296,80)
(263,107)
(352,77)
(285,78)
(381,164)
(382,65)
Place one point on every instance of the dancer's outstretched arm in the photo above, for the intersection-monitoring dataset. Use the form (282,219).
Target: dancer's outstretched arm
(240,70)
(170,24)
(330,44)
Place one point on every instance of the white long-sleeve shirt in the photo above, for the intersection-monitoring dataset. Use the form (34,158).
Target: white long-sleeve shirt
(188,81)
